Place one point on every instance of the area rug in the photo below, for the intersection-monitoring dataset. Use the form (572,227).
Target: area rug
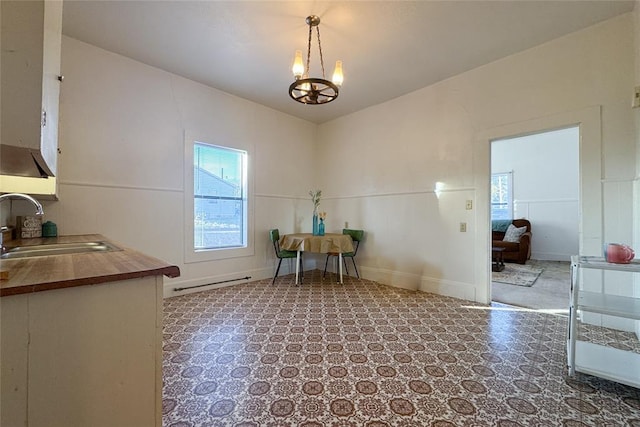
(516,274)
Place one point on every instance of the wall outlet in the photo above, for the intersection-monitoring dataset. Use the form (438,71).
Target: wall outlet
(636,97)
(463,227)
(469,205)
(346,224)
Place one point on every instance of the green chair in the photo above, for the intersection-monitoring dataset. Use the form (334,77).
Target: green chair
(356,236)
(274,235)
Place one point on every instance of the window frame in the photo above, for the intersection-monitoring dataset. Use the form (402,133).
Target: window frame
(191,254)
(510,203)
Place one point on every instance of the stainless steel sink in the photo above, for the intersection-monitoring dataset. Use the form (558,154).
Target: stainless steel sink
(58,249)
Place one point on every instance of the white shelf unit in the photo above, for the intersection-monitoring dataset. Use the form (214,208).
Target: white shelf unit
(594,359)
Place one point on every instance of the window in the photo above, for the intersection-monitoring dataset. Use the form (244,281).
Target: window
(220,204)
(502,195)
(216,202)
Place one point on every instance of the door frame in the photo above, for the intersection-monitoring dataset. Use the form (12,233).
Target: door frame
(590,216)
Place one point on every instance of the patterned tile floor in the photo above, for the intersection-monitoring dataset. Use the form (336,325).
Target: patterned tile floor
(365,354)
(626,341)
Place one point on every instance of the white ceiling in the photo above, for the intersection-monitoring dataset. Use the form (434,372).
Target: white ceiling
(388,48)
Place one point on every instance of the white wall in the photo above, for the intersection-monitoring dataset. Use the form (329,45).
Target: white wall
(388,158)
(121,168)
(544,168)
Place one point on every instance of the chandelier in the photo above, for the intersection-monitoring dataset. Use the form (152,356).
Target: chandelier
(314,90)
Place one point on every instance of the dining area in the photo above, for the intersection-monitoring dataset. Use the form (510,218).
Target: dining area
(339,246)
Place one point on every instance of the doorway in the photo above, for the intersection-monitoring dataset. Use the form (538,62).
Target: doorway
(590,224)
(536,177)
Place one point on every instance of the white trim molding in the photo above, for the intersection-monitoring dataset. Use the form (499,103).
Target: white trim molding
(589,121)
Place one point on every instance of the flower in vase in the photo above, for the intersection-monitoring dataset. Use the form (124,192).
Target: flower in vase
(322,215)
(315,197)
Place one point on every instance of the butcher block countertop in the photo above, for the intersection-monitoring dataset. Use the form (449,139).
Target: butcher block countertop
(44,273)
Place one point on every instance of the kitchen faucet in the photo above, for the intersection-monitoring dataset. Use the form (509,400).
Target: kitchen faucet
(39,210)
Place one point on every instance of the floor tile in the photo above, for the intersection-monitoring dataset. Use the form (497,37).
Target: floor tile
(366,354)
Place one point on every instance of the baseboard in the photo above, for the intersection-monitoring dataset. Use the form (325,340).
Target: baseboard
(449,288)
(416,282)
(397,279)
(256,274)
(550,256)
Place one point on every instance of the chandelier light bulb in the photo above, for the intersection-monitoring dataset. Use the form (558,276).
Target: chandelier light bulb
(338,77)
(298,66)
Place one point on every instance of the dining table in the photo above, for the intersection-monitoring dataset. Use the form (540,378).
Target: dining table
(307,242)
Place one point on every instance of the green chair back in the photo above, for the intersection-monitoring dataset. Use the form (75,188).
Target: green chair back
(274,235)
(356,235)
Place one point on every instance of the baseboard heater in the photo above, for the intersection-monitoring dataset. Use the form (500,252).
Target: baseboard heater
(209,284)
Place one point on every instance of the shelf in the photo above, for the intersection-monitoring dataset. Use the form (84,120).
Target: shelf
(600,264)
(603,361)
(608,363)
(612,305)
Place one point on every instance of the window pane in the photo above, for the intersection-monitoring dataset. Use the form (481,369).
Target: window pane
(218,223)
(501,196)
(220,206)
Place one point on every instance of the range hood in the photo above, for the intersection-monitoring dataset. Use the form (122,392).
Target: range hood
(22,161)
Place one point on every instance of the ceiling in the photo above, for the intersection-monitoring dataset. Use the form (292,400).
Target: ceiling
(389,48)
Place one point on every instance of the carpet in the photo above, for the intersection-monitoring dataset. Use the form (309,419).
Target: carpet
(516,274)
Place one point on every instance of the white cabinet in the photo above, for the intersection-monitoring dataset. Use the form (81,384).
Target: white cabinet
(589,357)
(83,356)
(31,33)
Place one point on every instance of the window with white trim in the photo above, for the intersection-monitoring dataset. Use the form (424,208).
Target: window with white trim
(502,195)
(216,202)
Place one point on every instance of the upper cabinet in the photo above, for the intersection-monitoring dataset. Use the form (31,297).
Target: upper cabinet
(31,33)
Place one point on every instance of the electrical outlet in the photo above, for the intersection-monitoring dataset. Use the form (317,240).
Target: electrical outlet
(463,227)
(346,224)
(636,97)
(469,205)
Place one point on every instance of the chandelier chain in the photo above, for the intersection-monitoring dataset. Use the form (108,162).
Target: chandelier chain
(306,74)
(320,49)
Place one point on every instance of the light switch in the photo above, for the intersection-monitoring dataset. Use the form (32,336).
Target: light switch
(469,205)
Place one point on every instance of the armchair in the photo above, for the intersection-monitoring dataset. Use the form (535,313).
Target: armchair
(518,252)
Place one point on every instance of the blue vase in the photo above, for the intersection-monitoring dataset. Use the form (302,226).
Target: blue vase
(315,223)
(321,228)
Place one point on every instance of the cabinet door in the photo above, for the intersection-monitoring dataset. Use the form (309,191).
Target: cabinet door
(22,37)
(95,355)
(83,356)
(52,48)
(14,357)
(31,33)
